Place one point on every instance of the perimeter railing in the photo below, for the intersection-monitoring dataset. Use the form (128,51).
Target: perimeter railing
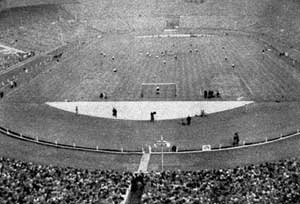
(74,146)
(56,144)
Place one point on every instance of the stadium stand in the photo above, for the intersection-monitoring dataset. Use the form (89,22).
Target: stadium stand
(26,182)
(270,182)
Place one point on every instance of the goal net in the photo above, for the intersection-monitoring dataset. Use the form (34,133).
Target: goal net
(158,90)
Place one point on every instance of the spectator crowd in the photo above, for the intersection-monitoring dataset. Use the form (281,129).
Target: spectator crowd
(23,182)
(270,182)
(276,182)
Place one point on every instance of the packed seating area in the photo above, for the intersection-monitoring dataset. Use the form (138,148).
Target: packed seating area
(25,182)
(271,182)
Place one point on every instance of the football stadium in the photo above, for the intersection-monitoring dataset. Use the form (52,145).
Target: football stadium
(149,101)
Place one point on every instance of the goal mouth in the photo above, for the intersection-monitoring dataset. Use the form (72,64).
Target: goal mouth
(158,90)
(141,110)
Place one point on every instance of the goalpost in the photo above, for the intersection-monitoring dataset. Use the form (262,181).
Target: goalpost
(159,90)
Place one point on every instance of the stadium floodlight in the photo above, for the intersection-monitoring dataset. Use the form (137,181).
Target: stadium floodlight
(162,143)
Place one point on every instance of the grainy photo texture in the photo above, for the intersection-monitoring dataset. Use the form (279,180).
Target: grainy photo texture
(149,101)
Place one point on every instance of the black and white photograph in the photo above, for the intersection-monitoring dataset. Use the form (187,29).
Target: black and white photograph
(149,101)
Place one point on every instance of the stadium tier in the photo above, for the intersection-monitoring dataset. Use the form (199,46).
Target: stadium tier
(24,182)
(271,182)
